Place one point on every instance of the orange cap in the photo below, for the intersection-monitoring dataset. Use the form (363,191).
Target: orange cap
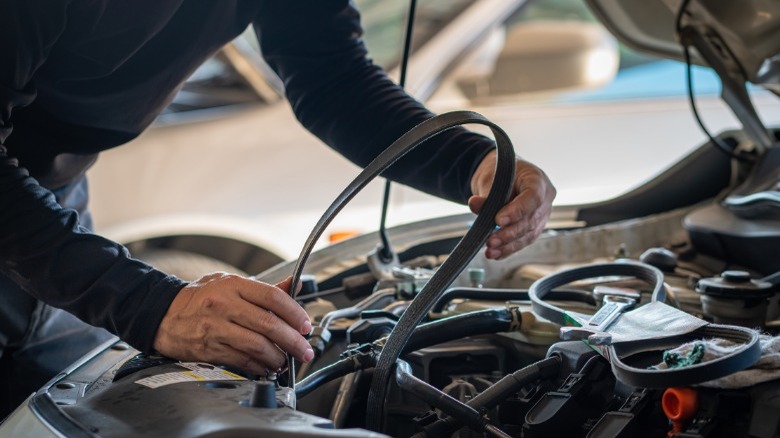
(680,405)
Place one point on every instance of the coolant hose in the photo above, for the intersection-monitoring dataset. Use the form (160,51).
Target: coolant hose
(475,323)
(334,371)
(447,329)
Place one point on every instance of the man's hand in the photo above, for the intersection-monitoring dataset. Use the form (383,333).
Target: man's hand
(231,320)
(523,218)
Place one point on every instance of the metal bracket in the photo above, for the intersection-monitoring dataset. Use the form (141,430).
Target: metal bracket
(382,270)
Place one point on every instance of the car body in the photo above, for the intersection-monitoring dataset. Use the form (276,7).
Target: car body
(694,226)
(209,180)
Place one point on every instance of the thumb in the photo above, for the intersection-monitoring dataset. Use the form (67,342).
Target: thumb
(475,203)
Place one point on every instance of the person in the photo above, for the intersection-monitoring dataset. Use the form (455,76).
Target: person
(80,76)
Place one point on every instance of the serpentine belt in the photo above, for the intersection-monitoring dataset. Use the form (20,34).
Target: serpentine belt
(652,327)
(463,253)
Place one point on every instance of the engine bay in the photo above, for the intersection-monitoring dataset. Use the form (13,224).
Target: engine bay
(655,314)
(482,363)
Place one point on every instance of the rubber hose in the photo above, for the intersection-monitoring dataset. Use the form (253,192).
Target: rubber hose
(447,329)
(487,294)
(475,323)
(334,371)
(495,394)
(438,399)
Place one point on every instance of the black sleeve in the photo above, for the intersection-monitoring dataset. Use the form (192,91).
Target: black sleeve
(42,247)
(337,93)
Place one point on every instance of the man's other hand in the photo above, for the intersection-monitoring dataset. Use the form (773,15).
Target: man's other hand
(523,218)
(231,320)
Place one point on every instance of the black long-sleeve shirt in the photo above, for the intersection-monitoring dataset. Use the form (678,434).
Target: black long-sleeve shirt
(81,76)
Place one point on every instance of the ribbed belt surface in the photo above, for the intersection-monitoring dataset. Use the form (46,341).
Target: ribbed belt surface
(455,263)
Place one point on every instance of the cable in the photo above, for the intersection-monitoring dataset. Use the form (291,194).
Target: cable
(495,394)
(407,43)
(320,294)
(716,142)
(386,251)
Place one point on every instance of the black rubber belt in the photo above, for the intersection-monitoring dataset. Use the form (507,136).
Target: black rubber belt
(739,359)
(455,263)
(540,288)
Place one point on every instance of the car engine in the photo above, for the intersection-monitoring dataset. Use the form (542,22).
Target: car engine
(621,329)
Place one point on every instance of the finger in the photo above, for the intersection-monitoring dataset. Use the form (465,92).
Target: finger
(506,234)
(517,244)
(263,358)
(224,342)
(475,203)
(257,347)
(278,301)
(285,286)
(516,236)
(277,331)
(528,200)
(258,319)
(517,229)
(286,283)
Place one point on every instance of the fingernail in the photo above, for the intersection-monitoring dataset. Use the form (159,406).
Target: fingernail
(494,242)
(308,355)
(503,221)
(306,327)
(493,253)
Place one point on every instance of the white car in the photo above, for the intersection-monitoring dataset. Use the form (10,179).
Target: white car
(231,175)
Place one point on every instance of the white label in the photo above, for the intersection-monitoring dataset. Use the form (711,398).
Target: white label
(197,372)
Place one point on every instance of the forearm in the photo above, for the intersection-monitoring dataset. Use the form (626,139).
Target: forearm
(48,254)
(349,103)
(378,114)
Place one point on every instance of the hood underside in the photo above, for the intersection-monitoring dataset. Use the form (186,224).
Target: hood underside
(745,33)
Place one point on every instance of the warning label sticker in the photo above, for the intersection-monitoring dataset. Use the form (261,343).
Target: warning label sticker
(196,372)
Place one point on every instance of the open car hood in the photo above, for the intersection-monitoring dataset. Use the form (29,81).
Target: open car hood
(746,32)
